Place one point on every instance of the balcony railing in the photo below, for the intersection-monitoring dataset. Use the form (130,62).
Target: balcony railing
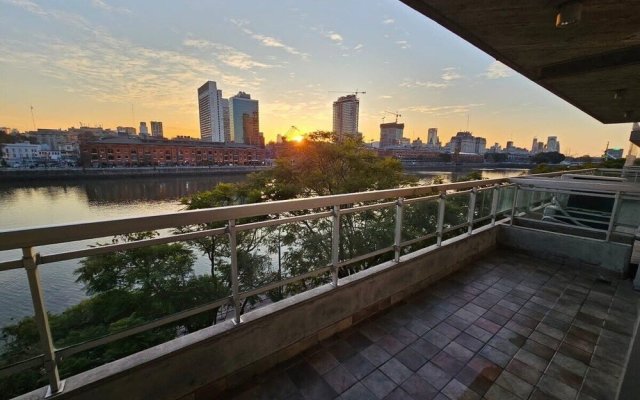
(476,204)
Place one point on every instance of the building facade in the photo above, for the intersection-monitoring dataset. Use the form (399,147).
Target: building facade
(245,120)
(131,152)
(345,115)
(156,129)
(143,130)
(211,113)
(553,144)
(465,142)
(433,142)
(391,134)
(226,120)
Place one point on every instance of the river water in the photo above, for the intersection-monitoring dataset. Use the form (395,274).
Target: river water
(63,202)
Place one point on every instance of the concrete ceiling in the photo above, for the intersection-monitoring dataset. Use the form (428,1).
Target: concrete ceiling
(585,63)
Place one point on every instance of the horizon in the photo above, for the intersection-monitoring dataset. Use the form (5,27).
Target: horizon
(111,63)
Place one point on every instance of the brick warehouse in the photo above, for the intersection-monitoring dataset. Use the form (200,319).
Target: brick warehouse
(132,151)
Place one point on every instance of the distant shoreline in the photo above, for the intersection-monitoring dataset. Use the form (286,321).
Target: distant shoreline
(53,174)
(39,174)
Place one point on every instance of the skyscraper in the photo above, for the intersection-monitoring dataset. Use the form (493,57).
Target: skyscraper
(534,145)
(211,113)
(156,129)
(553,144)
(244,119)
(144,131)
(345,115)
(226,120)
(433,142)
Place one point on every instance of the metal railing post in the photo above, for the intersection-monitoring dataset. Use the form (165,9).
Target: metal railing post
(441,205)
(335,245)
(472,208)
(398,232)
(42,321)
(515,202)
(614,214)
(494,204)
(235,284)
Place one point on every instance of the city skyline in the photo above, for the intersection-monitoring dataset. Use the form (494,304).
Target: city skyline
(94,62)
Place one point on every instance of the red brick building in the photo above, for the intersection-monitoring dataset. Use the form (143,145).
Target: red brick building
(134,151)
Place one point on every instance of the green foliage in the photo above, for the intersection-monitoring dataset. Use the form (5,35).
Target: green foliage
(552,157)
(496,157)
(617,164)
(321,166)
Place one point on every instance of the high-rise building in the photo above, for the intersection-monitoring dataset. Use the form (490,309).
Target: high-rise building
(540,147)
(391,134)
(345,115)
(245,122)
(144,131)
(465,142)
(211,113)
(156,129)
(553,144)
(226,120)
(534,145)
(433,142)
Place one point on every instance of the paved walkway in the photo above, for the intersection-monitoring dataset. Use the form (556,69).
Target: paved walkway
(507,327)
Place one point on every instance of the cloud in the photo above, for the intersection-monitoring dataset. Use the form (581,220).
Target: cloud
(497,70)
(226,54)
(109,8)
(336,37)
(450,74)
(407,83)
(403,44)
(388,21)
(358,46)
(385,96)
(444,110)
(268,41)
(108,69)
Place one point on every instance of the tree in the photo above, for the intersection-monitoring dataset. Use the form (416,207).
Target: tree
(552,157)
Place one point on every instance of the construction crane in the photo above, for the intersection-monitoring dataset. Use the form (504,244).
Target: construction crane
(397,115)
(344,91)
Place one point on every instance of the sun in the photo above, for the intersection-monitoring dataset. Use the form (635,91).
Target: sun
(298,138)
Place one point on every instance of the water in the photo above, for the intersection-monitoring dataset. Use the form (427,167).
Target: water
(52,203)
(62,202)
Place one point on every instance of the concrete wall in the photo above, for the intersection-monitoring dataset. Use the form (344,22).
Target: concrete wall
(200,365)
(567,249)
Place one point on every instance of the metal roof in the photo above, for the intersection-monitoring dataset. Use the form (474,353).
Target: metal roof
(593,64)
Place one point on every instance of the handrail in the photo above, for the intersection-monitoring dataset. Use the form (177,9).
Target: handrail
(322,207)
(20,238)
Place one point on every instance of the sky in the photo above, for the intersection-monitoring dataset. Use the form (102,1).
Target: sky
(110,62)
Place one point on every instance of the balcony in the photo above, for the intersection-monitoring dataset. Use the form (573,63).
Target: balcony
(495,288)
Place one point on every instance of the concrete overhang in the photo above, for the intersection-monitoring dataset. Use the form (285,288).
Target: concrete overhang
(593,64)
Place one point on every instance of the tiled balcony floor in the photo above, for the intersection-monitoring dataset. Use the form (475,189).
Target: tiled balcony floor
(507,327)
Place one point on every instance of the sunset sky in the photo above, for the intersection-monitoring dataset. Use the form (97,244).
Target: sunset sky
(111,62)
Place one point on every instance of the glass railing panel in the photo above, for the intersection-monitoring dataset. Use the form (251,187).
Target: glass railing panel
(420,220)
